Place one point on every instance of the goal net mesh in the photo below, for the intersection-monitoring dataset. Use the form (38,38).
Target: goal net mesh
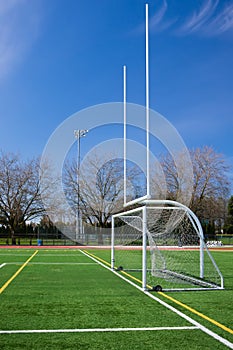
(173,249)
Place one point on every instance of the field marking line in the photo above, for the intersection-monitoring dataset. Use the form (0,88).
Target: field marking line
(60,263)
(132,277)
(55,255)
(44,255)
(87,330)
(211,320)
(192,321)
(2,265)
(49,263)
(105,262)
(168,306)
(216,323)
(108,264)
(96,257)
(8,254)
(17,272)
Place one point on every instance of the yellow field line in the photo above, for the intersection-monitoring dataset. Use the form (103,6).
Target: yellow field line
(17,272)
(132,277)
(106,263)
(197,313)
(172,299)
(229,330)
(96,257)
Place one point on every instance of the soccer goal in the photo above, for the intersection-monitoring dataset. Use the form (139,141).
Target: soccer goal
(161,245)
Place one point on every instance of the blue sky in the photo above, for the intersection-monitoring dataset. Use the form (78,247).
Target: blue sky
(58,57)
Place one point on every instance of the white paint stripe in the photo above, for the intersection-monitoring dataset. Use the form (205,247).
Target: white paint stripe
(197,324)
(41,254)
(2,254)
(91,330)
(2,265)
(50,263)
(181,314)
(60,263)
(55,255)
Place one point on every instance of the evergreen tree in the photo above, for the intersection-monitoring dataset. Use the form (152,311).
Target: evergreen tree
(228,228)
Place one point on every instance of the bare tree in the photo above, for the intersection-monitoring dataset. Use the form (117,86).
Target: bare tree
(228,227)
(210,182)
(172,177)
(20,196)
(99,189)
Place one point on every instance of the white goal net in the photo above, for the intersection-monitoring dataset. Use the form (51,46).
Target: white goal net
(162,246)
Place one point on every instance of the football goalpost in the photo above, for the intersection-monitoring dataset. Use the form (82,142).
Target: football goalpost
(161,244)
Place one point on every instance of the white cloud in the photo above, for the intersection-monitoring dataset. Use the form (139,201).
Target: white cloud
(19,25)
(158,22)
(222,22)
(158,15)
(199,18)
(156,19)
(211,19)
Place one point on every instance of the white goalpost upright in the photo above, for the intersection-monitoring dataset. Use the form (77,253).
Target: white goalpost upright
(160,244)
(147,108)
(147,117)
(125,135)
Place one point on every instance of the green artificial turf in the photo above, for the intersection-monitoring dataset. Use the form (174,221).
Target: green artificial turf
(64,289)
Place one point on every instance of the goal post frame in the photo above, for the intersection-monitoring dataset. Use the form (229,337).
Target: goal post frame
(146,205)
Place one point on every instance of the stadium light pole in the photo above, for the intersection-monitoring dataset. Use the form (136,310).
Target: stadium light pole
(79,133)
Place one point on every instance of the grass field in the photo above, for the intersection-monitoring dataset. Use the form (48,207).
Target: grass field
(65,299)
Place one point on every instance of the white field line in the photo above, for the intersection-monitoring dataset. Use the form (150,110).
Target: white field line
(59,263)
(49,263)
(5,254)
(55,255)
(91,330)
(173,309)
(44,255)
(2,265)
